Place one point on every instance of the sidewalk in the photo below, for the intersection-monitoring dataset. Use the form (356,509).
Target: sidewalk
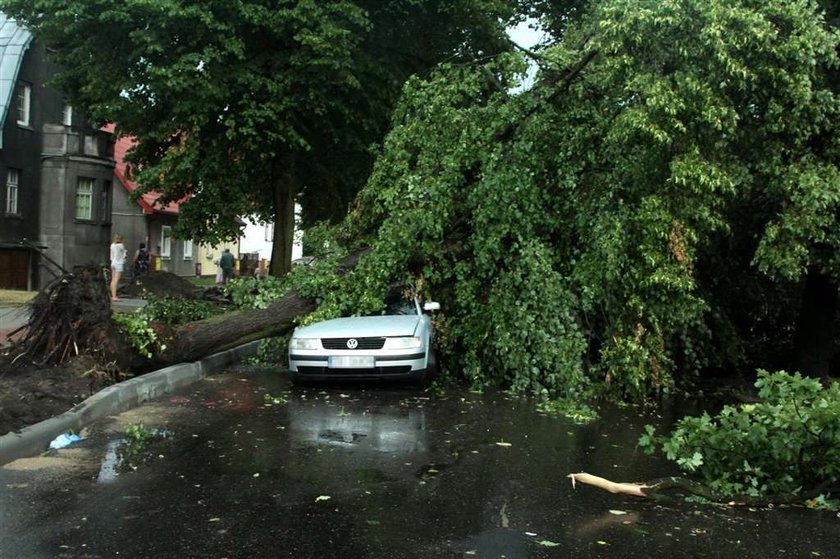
(12,316)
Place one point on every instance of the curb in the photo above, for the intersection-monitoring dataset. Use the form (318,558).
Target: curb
(117,398)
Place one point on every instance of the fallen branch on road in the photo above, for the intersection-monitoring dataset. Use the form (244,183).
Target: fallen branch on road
(671,488)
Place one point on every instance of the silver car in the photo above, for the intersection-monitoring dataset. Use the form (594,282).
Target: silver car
(395,344)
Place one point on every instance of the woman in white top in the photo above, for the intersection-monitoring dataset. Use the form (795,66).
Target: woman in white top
(118,254)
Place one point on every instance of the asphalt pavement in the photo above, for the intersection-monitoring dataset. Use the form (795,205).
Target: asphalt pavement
(244,464)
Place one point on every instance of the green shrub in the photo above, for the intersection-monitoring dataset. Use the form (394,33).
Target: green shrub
(787,444)
(167,310)
(273,351)
(177,310)
(139,333)
(252,293)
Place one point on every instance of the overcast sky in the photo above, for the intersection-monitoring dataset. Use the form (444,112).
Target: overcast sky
(523,35)
(526,37)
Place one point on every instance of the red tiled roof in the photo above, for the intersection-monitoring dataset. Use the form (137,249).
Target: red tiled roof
(148,200)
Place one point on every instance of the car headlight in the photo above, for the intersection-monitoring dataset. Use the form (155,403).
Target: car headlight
(404,342)
(304,343)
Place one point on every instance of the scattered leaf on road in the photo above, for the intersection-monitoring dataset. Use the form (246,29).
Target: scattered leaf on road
(547,543)
(322,498)
(503,443)
(618,512)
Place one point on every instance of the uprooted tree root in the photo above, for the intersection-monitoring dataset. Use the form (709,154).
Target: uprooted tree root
(672,488)
(69,317)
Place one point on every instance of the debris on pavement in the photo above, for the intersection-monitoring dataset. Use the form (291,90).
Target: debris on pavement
(64,440)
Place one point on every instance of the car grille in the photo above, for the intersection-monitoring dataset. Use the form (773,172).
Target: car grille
(364,343)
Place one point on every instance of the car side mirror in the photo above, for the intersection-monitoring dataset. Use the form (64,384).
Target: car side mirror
(431,306)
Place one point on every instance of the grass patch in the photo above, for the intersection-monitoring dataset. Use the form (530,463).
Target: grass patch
(203,281)
(16,297)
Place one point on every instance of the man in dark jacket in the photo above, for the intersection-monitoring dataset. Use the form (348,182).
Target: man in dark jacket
(226,263)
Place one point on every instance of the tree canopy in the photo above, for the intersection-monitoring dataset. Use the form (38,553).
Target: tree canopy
(240,106)
(650,208)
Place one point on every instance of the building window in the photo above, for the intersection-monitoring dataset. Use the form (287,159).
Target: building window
(105,203)
(165,241)
(67,115)
(269,232)
(24,97)
(12,184)
(84,199)
(188,250)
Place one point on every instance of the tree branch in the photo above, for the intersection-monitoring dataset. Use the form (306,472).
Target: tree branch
(658,490)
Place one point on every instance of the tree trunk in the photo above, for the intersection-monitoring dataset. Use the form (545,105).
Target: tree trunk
(193,341)
(285,192)
(814,338)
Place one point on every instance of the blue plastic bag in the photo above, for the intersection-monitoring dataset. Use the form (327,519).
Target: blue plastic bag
(64,439)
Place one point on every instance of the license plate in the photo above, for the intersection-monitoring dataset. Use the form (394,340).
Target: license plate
(351,362)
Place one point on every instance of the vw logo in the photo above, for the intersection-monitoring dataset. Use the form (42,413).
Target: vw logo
(352,343)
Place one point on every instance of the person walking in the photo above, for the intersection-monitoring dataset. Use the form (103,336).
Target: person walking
(118,254)
(141,260)
(226,263)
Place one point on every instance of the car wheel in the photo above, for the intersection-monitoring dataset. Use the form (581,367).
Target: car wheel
(432,369)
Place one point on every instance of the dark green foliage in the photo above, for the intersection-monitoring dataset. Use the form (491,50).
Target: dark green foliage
(273,351)
(648,209)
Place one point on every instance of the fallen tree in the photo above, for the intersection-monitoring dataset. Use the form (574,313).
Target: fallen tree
(72,316)
(195,340)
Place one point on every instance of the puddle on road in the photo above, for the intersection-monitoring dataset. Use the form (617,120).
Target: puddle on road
(383,430)
(110,464)
(123,454)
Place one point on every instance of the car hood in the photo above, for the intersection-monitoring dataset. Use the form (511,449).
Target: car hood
(361,327)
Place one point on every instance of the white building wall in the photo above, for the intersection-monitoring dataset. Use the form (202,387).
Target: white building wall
(257,238)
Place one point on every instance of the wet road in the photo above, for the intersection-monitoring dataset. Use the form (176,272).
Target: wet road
(244,465)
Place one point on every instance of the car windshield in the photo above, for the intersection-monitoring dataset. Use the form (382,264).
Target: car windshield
(397,303)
